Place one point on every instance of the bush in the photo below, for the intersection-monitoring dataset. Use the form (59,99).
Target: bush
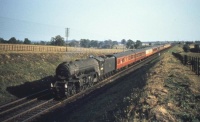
(186,48)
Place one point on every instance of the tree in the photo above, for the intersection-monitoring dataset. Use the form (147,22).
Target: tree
(93,43)
(157,43)
(108,43)
(189,42)
(84,42)
(186,48)
(196,47)
(138,44)
(123,41)
(42,43)
(52,42)
(74,43)
(27,41)
(130,44)
(20,42)
(12,40)
(2,40)
(197,42)
(115,43)
(58,40)
(100,44)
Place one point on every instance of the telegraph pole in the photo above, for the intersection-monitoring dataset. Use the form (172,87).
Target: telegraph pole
(66,33)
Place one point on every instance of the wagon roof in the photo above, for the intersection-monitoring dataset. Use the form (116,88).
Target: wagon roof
(156,46)
(128,52)
(121,54)
(140,50)
(134,51)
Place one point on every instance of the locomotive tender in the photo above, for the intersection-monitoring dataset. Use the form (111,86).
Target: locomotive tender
(72,77)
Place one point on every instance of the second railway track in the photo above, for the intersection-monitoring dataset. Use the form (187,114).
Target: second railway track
(17,106)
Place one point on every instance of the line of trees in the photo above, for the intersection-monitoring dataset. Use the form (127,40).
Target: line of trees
(96,44)
(59,41)
(13,40)
(130,44)
(186,46)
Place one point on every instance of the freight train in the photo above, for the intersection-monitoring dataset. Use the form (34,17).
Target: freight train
(75,76)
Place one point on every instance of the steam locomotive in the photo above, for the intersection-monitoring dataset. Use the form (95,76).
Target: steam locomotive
(74,76)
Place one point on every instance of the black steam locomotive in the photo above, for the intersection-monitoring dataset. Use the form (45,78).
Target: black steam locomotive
(72,77)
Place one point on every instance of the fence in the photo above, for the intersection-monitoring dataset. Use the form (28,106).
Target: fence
(192,62)
(42,48)
(35,48)
(93,50)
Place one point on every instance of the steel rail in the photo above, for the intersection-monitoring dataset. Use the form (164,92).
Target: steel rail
(18,115)
(19,100)
(20,105)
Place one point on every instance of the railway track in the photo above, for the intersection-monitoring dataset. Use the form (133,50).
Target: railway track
(29,112)
(34,108)
(17,106)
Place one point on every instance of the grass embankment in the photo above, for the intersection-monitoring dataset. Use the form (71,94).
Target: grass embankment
(25,73)
(172,93)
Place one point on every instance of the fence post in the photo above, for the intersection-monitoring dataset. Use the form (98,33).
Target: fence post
(194,65)
(192,62)
(198,66)
(182,59)
(190,58)
(197,70)
(185,59)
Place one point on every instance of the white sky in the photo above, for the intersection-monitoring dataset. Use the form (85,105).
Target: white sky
(145,20)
